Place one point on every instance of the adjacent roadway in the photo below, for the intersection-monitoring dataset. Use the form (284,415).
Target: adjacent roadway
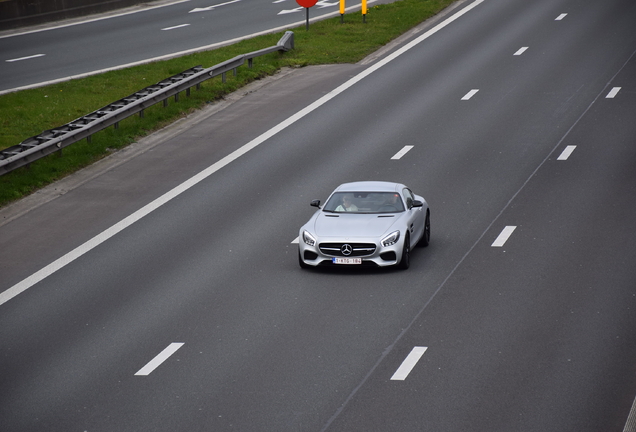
(153,31)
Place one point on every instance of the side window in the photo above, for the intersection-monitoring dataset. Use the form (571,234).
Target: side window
(408,197)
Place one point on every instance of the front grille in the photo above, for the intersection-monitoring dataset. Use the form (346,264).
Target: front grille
(358,249)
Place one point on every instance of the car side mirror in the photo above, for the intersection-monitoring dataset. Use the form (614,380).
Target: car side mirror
(417,203)
(315,203)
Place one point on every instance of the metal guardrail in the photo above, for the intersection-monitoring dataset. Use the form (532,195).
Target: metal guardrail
(53,140)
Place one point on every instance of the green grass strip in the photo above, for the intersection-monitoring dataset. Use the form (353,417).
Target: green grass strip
(27,113)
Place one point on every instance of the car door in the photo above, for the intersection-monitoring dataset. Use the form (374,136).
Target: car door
(415,216)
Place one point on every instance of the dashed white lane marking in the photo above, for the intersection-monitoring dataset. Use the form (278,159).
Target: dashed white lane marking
(613,93)
(25,58)
(470,94)
(408,364)
(160,358)
(402,152)
(503,237)
(521,51)
(296,240)
(175,27)
(560,17)
(567,152)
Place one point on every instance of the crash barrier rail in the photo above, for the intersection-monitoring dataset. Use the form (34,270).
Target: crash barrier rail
(56,139)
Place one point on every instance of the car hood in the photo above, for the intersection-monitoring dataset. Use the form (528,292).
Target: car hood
(353,225)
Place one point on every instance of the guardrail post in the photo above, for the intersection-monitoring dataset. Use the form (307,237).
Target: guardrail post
(223,77)
(141,114)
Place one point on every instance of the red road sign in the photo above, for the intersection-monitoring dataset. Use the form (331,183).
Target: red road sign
(307,3)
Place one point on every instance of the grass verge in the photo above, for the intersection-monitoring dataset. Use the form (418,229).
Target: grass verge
(27,113)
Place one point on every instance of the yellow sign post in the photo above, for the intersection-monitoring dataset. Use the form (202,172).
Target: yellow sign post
(342,10)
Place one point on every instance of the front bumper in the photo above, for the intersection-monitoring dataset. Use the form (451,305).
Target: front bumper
(323,252)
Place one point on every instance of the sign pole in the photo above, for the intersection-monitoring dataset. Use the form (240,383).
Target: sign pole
(342,11)
(307,4)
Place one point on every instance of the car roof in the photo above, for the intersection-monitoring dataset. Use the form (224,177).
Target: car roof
(370,186)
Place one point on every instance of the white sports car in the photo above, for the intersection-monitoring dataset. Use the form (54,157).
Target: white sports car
(370,222)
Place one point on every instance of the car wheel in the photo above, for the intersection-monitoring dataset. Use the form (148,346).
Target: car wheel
(426,235)
(405,262)
(301,262)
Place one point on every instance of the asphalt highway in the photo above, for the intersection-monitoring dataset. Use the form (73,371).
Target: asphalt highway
(160,290)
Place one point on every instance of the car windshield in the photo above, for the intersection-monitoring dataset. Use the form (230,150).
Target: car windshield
(364,202)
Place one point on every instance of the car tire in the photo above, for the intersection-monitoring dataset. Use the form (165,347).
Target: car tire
(426,235)
(405,261)
(301,263)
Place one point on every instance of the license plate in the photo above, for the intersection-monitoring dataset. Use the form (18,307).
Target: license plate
(346,260)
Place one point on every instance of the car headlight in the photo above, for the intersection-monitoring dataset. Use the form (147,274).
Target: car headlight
(391,239)
(308,238)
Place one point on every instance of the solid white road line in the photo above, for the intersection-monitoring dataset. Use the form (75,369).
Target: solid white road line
(296,240)
(175,27)
(408,364)
(503,237)
(567,152)
(160,358)
(521,51)
(560,17)
(630,425)
(25,58)
(613,93)
(470,94)
(402,152)
(178,190)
